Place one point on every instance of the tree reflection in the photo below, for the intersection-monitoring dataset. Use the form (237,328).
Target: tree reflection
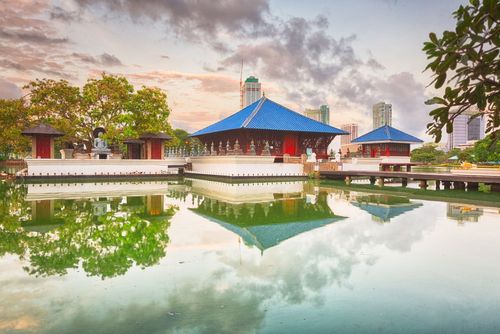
(55,236)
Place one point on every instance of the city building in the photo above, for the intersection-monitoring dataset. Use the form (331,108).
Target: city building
(312,114)
(251,91)
(268,128)
(321,115)
(382,114)
(466,131)
(346,147)
(324,114)
(352,128)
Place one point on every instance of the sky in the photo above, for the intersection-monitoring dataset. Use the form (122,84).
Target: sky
(347,54)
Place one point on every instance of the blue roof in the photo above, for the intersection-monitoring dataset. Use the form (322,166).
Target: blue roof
(265,114)
(386,133)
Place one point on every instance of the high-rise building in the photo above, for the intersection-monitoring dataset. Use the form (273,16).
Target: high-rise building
(382,114)
(352,128)
(466,130)
(251,91)
(324,114)
(321,115)
(313,114)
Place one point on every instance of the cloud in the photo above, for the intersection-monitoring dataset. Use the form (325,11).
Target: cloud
(8,90)
(216,83)
(192,19)
(104,59)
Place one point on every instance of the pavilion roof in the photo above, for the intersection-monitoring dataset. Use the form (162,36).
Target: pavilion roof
(265,114)
(156,135)
(42,129)
(386,133)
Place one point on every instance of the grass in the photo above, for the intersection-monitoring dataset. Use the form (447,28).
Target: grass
(472,197)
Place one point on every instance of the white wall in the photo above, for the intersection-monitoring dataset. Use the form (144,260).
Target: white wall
(60,167)
(371,164)
(244,166)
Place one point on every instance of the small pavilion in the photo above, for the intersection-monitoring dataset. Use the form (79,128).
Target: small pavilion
(42,140)
(154,145)
(268,128)
(386,141)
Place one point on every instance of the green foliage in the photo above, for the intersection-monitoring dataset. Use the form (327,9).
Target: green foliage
(486,150)
(467,62)
(13,119)
(109,101)
(428,153)
(181,138)
(104,246)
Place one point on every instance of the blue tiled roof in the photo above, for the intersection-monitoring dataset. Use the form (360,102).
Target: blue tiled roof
(386,133)
(384,212)
(265,114)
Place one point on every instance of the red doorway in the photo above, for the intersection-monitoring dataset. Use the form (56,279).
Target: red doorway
(290,144)
(156,149)
(43,147)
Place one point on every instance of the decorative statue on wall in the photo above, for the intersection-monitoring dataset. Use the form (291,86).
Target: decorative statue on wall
(252,148)
(100,149)
(99,142)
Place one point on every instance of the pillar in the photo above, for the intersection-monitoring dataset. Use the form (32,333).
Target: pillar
(380,181)
(404,182)
(408,168)
(348,180)
(423,184)
(458,185)
(372,180)
(438,185)
(472,186)
(447,185)
(397,168)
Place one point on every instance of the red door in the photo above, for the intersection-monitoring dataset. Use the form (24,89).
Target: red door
(290,144)
(43,147)
(155,149)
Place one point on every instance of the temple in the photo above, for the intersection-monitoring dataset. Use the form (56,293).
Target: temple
(386,141)
(267,128)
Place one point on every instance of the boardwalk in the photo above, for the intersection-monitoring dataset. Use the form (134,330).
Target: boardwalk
(459,180)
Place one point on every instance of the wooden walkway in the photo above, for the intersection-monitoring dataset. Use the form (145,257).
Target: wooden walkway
(459,180)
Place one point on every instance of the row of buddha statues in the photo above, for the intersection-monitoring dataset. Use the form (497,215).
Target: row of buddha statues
(205,150)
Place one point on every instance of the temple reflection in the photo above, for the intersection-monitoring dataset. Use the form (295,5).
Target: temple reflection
(263,218)
(383,208)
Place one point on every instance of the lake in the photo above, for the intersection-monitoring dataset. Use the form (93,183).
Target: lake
(199,256)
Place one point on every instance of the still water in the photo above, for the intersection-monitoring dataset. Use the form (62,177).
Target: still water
(197,256)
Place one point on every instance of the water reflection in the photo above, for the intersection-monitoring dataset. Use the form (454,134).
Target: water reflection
(266,224)
(325,262)
(463,213)
(103,236)
(384,207)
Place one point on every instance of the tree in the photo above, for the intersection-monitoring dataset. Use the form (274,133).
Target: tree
(482,150)
(57,103)
(428,153)
(13,119)
(467,60)
(109,101)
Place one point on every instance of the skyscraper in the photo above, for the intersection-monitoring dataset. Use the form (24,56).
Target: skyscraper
(382,114)
(321,115)
(313,114)
(352,128)
(251,91)
(466,130)
(324,114)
